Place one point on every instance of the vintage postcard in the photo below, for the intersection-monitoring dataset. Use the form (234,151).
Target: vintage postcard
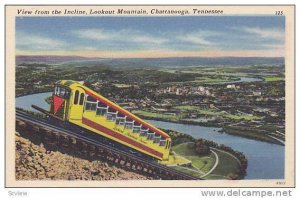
(150,96)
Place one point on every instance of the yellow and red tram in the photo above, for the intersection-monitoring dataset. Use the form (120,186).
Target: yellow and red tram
(82,106)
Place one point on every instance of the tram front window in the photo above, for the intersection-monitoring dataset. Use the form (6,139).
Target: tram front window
(62,92)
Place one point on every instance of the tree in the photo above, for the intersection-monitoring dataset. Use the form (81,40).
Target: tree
(201,148)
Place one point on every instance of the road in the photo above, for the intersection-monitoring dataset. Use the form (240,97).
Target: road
(215,165)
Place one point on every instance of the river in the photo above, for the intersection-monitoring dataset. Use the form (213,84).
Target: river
(265,160)
(242,79)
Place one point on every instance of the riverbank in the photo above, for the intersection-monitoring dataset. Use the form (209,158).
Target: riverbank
(216,164)
(30,92)
(208,159)
(250,133)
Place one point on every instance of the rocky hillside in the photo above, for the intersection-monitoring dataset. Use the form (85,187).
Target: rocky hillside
(34,162)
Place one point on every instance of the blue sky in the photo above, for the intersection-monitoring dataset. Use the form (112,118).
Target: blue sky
(155,36)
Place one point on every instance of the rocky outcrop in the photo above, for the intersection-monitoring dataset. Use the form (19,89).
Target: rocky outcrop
(35,162)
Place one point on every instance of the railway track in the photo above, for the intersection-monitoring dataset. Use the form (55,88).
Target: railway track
(78,142)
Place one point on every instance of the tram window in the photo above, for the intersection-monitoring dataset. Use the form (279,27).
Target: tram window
(67,94)
(111,110)
(120,121)
(100,104)
(136,129)
(162,143)
(120,115)
(93,107)
(101,111)
(58,91)
(76,97)
(150,136)
(87,106)
(156,139)
(111,117)
(90,106)
(81,99)
(91,99)
(62,92)
(128,125)
(143,133)
(55,91)
(169,145)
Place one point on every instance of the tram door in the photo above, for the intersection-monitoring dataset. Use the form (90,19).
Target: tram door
(76,104)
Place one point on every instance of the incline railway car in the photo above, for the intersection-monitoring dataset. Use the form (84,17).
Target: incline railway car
(81,106)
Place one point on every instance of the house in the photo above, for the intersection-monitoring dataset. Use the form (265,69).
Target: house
(230,86)
(256,93)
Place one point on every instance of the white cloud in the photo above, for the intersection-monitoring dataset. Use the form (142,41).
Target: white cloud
(31,41)
(195,39)
(276,34)
(147,39)
(199,37)
(124,35)
(93,34)
(97,39)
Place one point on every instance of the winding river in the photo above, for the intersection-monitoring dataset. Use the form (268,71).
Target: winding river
(242,79)
(265,160)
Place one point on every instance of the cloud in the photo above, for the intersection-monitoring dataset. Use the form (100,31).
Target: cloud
(130,40)
(202,38)
(194,39)
(31,41)
(148,39)
(124,36)
(93,34)
(276,34)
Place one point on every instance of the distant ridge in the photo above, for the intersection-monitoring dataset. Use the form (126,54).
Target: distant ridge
(47,59)
(151,62)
